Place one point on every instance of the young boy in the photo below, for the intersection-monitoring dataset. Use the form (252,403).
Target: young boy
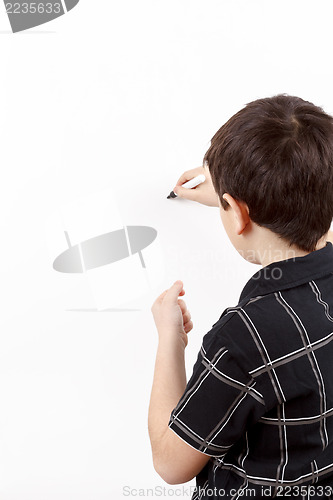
(256,417)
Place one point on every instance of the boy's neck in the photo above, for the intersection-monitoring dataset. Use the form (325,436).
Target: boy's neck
(274,253)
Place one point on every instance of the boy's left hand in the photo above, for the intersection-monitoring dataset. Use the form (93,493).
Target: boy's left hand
(171,316)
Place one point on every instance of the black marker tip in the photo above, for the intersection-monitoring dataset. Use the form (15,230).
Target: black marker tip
(172,195)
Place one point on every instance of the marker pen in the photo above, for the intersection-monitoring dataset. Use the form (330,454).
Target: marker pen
(199,179)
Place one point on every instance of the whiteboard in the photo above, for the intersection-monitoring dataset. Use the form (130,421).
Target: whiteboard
(102,110)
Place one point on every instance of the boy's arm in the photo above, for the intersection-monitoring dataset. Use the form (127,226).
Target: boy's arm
(174,460)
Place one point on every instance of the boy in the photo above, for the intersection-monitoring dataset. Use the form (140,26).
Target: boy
(256,417)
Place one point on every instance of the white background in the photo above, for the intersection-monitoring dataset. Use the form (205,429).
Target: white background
(123,95)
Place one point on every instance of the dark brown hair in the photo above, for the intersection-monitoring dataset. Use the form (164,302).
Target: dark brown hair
(276,155)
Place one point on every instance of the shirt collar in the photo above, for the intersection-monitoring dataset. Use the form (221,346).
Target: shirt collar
(289,273)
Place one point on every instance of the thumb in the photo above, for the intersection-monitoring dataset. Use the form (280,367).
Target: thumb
(188,194)
(174,291)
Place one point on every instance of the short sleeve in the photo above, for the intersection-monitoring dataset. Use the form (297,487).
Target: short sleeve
(219,403)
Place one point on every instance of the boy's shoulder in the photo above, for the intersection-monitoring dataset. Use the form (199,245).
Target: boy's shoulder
(269,339)
(283,307)
(239,332)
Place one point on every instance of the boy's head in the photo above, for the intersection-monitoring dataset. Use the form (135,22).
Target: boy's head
(275,157)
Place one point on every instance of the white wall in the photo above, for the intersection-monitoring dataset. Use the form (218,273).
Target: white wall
(126,96)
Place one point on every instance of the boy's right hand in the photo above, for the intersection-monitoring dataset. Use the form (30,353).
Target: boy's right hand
(203,193)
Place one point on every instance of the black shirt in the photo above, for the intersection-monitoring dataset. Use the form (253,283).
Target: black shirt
(260,398)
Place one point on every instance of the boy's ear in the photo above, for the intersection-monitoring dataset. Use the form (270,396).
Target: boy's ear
(240,212)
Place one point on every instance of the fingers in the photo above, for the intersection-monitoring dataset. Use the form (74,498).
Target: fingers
(174,291)
(163,294)
(186,317)
(182,305)
(189,194)
(189,174)
(186,176)
(186,313)
(172,294)
(193,194)
(204,193)
(188,326)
